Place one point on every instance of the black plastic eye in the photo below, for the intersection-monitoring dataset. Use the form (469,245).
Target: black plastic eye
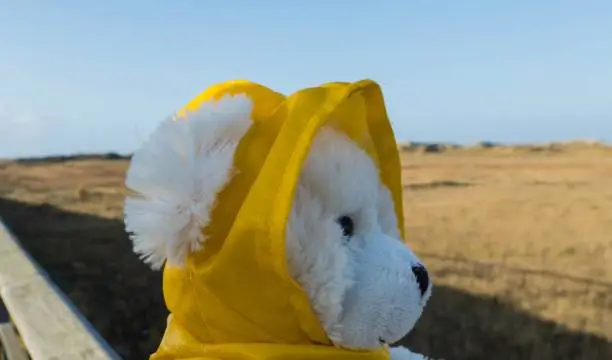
(422,278)
(347,225)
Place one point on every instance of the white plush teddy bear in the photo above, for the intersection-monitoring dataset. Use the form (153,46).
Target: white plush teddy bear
(206,192)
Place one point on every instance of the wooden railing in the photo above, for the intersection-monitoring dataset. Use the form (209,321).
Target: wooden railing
(38,321)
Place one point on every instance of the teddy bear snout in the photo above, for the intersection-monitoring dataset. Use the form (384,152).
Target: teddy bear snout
(422,278)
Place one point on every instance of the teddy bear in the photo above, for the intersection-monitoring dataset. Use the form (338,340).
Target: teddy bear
(278,222)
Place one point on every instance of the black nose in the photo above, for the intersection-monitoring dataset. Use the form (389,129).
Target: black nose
(422,278)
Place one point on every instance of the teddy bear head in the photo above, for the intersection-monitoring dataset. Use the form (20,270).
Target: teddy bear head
(341,241)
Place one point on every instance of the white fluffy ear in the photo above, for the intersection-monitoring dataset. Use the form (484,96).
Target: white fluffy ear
(175,177)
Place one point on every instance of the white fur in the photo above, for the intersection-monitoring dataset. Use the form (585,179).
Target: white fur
(362,289)
(401,353)
(176,175)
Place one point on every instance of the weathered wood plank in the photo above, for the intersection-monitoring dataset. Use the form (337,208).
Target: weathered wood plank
(10,344)
(49,325)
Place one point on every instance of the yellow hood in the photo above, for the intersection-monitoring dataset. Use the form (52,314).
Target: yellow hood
(235,299)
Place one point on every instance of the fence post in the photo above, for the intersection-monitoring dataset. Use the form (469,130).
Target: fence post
(50,326)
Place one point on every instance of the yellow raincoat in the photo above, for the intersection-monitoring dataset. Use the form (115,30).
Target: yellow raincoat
(234,299)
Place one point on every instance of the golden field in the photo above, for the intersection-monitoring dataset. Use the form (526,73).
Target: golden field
(518,239)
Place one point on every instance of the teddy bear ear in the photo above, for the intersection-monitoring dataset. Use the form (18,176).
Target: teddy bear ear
(174,177)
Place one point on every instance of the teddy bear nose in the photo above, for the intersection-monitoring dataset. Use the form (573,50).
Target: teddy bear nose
(422,277)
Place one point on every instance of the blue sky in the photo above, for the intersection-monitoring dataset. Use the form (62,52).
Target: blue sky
(88,76)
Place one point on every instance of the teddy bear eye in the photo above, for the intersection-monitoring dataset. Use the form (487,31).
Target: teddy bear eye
(347,225)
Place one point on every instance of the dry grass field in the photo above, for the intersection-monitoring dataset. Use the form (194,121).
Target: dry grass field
(519,241)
